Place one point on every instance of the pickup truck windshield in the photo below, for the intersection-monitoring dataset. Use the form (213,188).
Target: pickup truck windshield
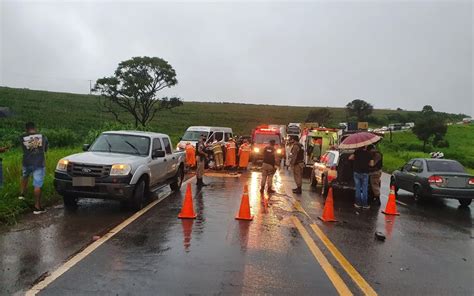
(193,135)
(124,144)
(445,166)
(265,138)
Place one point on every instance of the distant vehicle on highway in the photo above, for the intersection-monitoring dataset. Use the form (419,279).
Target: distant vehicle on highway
(120,165)
(333,169)
(193,133)
(427,178)
(395,126)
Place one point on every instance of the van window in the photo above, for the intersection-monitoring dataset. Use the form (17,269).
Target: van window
(194,135)
(227,136)
(219,136)
(167,144)
(157,144)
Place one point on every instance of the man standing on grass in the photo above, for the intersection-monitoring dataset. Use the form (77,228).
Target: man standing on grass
(34,147)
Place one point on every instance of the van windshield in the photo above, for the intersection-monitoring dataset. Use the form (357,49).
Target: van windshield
(265,138)
(193,135)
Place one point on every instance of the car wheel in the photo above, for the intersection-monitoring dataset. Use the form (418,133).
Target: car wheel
(70,202)
(139,195)
(417,194)
(465,202)
(324,187)
(178,180)
(314,182)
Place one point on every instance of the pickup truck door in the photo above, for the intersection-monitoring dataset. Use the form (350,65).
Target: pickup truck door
(158,166)
(171,158)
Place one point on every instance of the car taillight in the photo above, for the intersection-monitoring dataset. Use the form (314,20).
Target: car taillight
(471,181)
(435,180)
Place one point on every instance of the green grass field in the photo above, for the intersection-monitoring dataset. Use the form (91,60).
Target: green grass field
(71,119)
(405,146)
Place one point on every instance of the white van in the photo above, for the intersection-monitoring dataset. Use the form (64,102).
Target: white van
(193,133)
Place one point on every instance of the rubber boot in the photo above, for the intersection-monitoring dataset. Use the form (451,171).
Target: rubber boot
(202,183)
(376,201)
(297,190)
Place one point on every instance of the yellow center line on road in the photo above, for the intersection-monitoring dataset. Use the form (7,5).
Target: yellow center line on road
(346,265)
(351,271)
(336,280)
(92,247)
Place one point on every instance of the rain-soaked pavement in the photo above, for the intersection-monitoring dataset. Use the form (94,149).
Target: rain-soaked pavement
(428,250)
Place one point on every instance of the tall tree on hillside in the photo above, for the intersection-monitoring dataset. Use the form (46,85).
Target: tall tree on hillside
(429,125)
(360,109)
(319,115)
(133,89)
(427,109)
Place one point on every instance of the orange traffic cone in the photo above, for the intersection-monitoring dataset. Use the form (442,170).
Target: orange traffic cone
(328,212)
(244,212)
(391,208)
(187,212)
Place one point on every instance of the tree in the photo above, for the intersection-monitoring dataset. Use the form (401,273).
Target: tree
(319,115)
(429,125)
(360,109)
(427,109)
(133,89)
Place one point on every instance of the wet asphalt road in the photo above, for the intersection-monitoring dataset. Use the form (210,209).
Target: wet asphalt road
(428,251)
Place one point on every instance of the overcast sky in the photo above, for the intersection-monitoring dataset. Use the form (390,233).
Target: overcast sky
(392,54)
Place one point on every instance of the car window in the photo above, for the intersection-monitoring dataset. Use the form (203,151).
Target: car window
(417,165)
(228,136)
(157,144)
(445,166)
(167,144)
(218,136)
(407,166)
(330,158)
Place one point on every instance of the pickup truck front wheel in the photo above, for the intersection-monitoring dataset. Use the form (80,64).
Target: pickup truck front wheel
(138,201)
(178,180)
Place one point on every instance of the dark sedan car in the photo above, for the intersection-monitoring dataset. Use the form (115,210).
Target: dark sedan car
(435,178)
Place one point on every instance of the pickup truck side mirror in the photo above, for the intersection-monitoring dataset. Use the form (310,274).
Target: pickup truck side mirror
(158,154)
(86,147)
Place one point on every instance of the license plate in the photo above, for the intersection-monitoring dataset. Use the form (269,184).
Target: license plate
(83,181)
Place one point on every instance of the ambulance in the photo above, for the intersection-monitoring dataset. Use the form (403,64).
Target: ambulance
(261,137)
(317,141)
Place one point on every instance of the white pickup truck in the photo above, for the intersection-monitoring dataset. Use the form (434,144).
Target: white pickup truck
(120,165)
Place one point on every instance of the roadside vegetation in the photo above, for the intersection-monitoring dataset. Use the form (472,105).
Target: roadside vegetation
(405,145)
(70,120)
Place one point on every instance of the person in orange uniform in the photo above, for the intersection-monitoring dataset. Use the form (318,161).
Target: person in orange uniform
(230,154)
(190,155)
(244,155)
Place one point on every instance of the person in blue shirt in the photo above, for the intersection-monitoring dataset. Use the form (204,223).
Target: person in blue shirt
(35,146)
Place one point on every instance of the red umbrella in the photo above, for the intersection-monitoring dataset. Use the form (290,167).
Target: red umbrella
(359,140)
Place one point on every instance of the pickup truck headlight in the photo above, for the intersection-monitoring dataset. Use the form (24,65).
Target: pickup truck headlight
(279,151)
(256,150)
(120,170)
(62,165)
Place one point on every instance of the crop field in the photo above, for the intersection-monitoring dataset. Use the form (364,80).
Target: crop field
(69,120)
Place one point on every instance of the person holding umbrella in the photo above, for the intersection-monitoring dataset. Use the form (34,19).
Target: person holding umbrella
(362,161)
